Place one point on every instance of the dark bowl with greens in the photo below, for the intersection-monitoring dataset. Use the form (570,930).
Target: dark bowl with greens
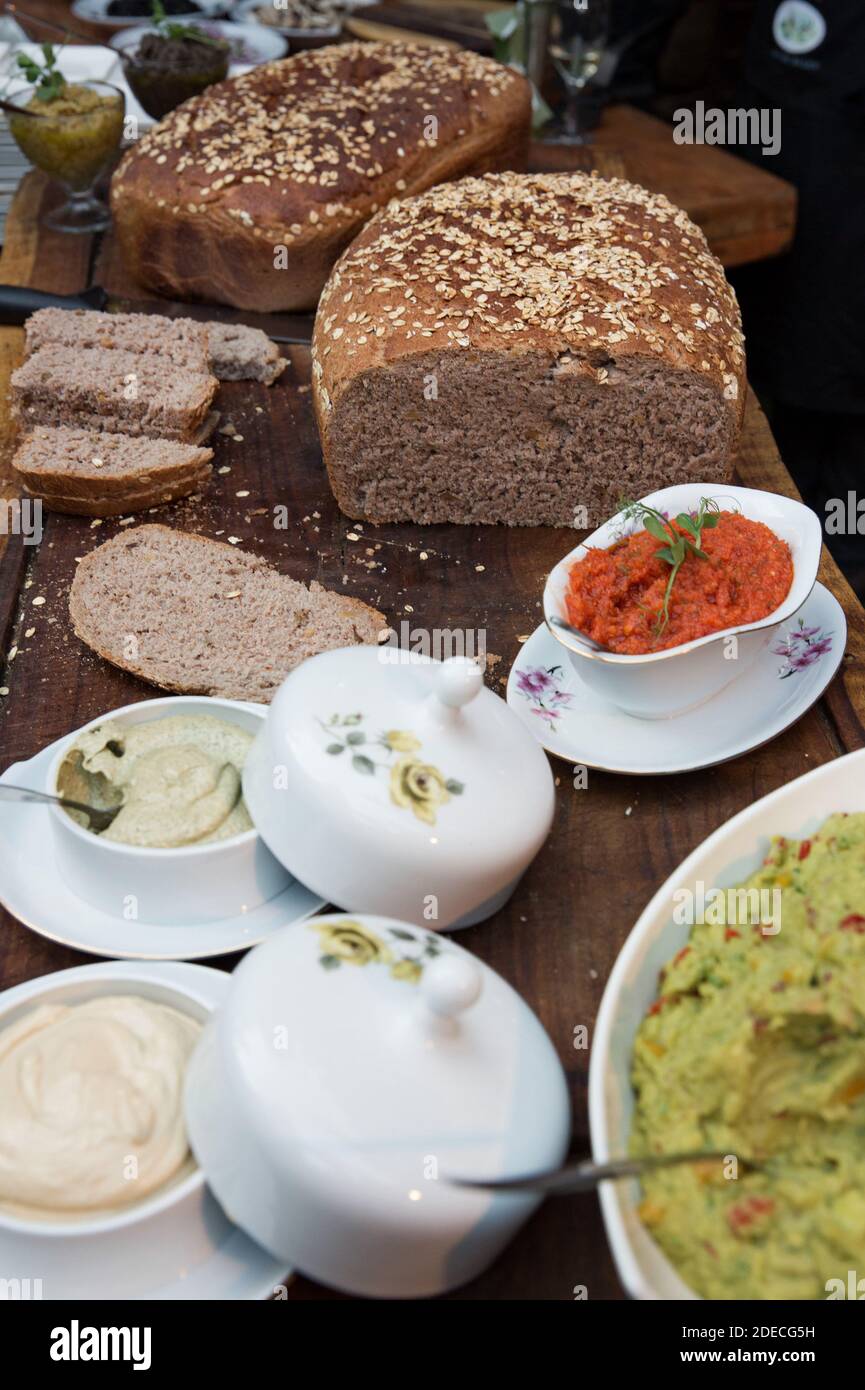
(173,62)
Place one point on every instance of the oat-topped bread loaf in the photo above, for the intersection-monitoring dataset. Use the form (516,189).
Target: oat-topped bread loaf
(93,473)
(513,348)
(114,390)
(196,615)
(246,194)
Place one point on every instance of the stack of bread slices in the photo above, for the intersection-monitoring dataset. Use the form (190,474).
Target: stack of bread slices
(117,407)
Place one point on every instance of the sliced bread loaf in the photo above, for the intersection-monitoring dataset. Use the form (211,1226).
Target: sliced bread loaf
(238,353)
(525,349)
(182,341)
(195,615)
(92,473)
(113,390)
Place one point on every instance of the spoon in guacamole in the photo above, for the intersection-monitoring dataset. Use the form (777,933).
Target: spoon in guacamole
(585,1175)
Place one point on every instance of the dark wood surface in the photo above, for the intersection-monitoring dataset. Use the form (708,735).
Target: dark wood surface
(611,844)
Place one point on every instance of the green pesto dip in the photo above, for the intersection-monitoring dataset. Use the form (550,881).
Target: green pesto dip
(755,1047)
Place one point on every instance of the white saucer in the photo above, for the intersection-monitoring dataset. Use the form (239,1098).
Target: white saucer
(225,1264)
(573,723)
(33,891)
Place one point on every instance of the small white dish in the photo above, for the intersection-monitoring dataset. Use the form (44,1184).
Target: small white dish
(725,859)
(45,902)
(96,12)
(575,723)
(176,1244)
(398,785)
(251,44)
(359,1063)
(656,685)
(186,886)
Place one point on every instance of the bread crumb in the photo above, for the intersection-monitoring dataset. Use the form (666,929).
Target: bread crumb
(234,540)
(30,631)
(352,536)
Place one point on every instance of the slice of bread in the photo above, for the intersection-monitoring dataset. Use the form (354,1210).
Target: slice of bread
(238,353)
(113,390)
(182,341)
(92,473)
(197,616)
(230,351)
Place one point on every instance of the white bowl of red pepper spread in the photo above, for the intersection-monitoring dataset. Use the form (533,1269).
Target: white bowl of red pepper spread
(681,591)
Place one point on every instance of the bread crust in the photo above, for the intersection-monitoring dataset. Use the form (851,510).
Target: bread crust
(247,194)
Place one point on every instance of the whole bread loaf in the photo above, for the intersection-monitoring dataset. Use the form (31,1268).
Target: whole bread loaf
(247,194)
(198,616)
(525,349)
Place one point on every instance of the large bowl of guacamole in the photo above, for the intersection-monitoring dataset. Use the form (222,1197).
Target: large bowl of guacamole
(744,1034)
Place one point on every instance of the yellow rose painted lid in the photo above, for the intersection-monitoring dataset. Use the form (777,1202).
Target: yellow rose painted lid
(358,1066)
(391,783)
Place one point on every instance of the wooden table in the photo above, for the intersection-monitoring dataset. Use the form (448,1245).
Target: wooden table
(611,845)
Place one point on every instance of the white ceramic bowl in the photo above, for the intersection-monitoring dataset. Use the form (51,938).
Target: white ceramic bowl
(661,684)
(330,1105)
(176,1243)
(725,859)
(346,838)
(189,885)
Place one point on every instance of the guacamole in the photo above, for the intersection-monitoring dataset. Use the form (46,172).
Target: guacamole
(755,1047)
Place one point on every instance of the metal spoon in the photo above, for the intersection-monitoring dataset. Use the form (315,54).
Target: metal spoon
(100,818)
(555,621)
(585,1175)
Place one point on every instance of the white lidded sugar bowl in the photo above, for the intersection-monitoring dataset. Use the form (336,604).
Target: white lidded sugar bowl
(387,782)
(357,1066)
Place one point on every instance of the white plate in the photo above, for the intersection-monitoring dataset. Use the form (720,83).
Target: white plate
(224,1264)
(96,12)
(725,859)
(251,43)
(33,891)
(574,723)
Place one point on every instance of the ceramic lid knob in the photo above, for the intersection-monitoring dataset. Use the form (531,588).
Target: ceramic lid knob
(450,985)
(459,680)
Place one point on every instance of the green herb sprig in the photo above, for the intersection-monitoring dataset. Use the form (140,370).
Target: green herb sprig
(46,77)
(676,547)
(172,29)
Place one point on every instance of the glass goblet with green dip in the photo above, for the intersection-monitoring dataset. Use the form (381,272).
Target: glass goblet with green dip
(71,131)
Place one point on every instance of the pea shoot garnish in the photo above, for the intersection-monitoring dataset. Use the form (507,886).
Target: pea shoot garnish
(676,546)
(46,77)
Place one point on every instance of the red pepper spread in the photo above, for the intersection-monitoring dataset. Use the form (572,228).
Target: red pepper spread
(617,595)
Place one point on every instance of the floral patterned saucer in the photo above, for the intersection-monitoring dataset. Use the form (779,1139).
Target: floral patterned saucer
(573,723)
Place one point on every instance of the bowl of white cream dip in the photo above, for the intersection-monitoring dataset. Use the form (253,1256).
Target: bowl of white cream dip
(100,1195)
